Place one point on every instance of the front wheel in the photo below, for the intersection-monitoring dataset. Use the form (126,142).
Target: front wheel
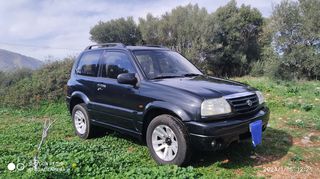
(168,140)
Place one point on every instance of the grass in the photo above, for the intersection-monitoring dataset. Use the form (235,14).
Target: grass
(291,141)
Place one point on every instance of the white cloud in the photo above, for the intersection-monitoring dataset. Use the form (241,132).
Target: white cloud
(65,25)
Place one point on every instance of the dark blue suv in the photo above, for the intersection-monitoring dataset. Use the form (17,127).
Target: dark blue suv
(158,96)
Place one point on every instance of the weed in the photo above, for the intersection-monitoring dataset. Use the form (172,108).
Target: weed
(307,107)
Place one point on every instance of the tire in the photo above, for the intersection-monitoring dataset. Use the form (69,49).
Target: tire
(87,130)
(168,140)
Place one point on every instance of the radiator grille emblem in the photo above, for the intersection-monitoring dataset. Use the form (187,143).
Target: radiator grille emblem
(249,102)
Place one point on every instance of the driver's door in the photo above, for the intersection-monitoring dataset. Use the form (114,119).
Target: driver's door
(116,102)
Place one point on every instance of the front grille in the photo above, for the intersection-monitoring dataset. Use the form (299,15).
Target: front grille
(244,104)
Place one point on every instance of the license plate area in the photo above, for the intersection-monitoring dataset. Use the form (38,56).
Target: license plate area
(256,132)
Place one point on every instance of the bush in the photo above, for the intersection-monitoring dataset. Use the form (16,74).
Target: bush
(268,65)
(302,63)
(258,68)
(45,84)
(7,79)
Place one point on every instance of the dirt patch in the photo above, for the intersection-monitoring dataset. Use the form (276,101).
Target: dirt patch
(307,141)
(262,159)
(131,149)
(269,167)
(238,172)
(276,170)
(69,137)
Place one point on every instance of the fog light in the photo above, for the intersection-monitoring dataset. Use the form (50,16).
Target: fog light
(213,143)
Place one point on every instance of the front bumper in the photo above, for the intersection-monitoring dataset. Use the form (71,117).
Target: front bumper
(219,134)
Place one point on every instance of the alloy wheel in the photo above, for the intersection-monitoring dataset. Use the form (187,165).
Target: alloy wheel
(164,142)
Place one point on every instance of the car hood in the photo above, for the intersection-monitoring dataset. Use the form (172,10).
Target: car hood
(205,86)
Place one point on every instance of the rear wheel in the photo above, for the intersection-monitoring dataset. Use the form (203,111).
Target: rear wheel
(82,124)
(168,140)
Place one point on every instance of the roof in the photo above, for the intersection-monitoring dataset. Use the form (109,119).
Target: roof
(122,46)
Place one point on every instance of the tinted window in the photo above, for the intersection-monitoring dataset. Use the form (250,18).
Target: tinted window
(88,64)
(146,64)
(164,63)
(115,63)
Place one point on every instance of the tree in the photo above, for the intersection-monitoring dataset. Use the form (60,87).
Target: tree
(232,40)
(233,36)
(295,34)
(181,29)
(286,24)
(118,30)
(310,10)
(149,28)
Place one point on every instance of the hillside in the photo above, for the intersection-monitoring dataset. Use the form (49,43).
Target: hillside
(11,61)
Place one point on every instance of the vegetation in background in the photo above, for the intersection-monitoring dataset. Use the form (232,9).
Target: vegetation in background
(293,51)
(119,30)
(224,43)
(181,29)
(232,41)
(9,79)
(26,88)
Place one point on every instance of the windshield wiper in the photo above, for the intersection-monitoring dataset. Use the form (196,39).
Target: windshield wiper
(191,74)
(166,76)
(177,76)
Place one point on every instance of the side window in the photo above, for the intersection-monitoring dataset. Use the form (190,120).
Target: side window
(88,64)
(115,63)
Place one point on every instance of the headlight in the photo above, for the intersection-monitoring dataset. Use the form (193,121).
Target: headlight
(260,97)
(215,107)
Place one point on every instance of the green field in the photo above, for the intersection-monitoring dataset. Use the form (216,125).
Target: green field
(291,143)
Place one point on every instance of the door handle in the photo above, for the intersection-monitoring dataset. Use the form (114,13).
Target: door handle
(101,86)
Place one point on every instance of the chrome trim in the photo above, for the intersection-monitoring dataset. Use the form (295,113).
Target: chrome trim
(238,95)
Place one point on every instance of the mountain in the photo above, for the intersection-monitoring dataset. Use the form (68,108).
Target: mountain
(12,61)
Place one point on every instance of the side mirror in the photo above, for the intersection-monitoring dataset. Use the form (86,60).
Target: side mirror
(127,78)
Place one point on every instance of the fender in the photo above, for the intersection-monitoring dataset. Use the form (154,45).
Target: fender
(182,114)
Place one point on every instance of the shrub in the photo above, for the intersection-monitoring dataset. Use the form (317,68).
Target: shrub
(7,79)
(301,63)
(45,84)
(307,107)
(258,68)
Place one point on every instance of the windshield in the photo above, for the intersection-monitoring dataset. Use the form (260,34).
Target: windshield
(165,64)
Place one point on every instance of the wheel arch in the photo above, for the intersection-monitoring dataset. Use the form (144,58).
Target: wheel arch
(158,108)
(77,98)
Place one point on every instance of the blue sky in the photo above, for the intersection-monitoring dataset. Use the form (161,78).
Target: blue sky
(60,28)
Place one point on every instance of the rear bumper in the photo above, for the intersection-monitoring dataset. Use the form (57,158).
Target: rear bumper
(223,132)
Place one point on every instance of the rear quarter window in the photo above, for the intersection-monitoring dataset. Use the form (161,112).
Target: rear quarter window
(88,63)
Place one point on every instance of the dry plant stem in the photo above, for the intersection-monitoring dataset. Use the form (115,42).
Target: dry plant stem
(46,126)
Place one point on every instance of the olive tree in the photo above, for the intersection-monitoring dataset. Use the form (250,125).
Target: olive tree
(118,30)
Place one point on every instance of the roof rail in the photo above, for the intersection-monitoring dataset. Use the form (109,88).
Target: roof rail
(159,46)
(105,45)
